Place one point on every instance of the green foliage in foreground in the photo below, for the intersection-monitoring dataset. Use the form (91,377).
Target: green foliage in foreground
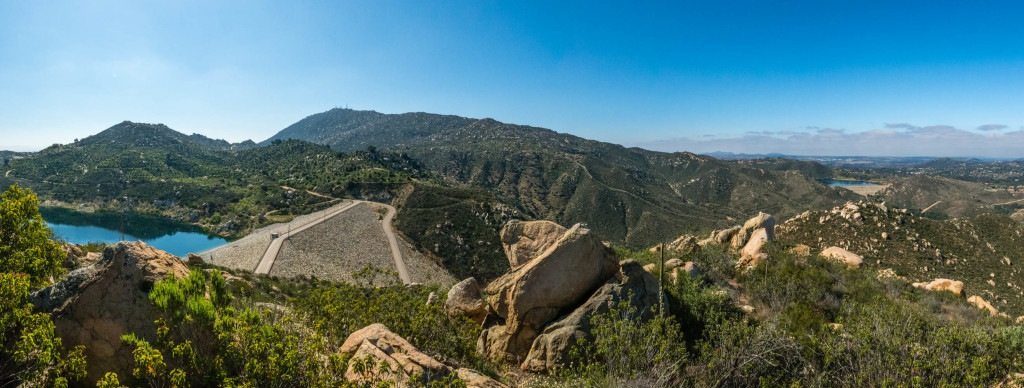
(815,324)
(338,309)
(25,240)
(208,337)
(30,354)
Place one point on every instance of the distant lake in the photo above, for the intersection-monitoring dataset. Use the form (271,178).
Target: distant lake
(836,182)
(176,238)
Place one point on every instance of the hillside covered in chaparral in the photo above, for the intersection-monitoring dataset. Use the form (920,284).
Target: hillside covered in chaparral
(415,249)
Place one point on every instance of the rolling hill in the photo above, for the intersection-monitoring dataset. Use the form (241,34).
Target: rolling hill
(629,195)
(225,188)
(951,197)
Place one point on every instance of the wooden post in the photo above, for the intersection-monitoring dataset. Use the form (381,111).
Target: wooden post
(661,283)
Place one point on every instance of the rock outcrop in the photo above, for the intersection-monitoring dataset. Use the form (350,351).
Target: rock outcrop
(954,286)
(751,254)
(552,347)
(684,244)
(760,221)
(465,298)
(94,306)
(852,260)
(748,239)
(404,360)
(526,299)
(982,304)
(73,254)
(526,240)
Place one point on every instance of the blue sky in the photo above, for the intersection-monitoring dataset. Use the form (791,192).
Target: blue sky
(797,77)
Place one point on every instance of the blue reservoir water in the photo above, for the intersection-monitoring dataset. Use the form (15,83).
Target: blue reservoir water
(178,239)
(836,182)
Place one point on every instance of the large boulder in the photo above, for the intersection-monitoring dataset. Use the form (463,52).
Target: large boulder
(852,260)
(632,283)
(954,286)
(751,255)
(760,221)
(982,304)
(94,306)
(465,298)
(404,361)
(526,240)
(526,299)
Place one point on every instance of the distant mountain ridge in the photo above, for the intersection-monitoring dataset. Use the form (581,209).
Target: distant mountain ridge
(628,195)
(128,133)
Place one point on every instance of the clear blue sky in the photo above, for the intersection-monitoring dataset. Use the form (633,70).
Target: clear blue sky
(709,74)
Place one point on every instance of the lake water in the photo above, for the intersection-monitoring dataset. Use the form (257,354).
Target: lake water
(836,182)
(176,238)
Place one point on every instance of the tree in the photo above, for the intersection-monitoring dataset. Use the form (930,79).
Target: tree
(31,354)
(26,244)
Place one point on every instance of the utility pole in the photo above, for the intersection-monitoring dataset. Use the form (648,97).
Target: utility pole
(661,283)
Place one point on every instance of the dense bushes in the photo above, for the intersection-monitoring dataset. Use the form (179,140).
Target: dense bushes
(30,353)
(338,309)
(815,323)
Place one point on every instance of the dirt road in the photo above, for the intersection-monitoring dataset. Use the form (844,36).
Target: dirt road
(396,253)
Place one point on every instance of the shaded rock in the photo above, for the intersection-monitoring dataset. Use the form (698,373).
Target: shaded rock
(692,269)
(954,286)
(382,345)
(194,259)
(632,284)
(852,260)
(474,379)
(404,360)
(526,240)
(651,267)
(88,259)
(73,253)
(465,298)
(96,305)
(685,244)
(725,235)
(673,263)
(524,300)
(982,304)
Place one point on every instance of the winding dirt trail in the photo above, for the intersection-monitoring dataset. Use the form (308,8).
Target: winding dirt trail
(1007,203)
(396,253)
(930,207)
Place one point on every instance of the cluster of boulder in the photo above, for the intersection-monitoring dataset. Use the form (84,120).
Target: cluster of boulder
(560,279)
(407,366)
(748,240)
(957,287)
